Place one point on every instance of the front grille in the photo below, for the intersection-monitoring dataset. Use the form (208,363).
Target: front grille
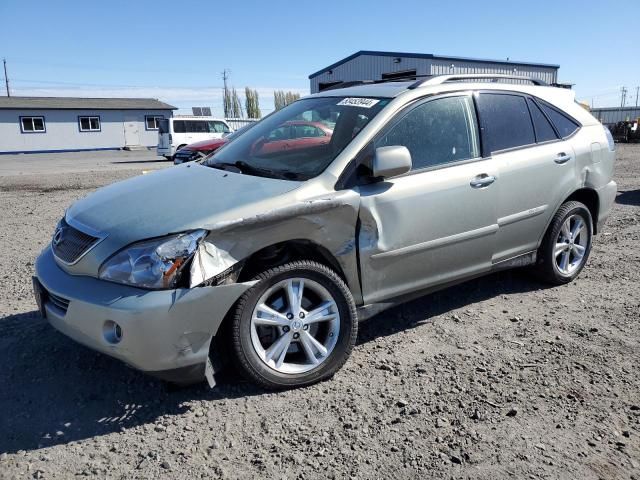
(59,302)
(186,155)
(69,244)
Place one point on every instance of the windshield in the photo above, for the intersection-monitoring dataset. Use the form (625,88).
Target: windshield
(299,141)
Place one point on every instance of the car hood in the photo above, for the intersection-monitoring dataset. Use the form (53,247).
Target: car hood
(206,144)
(168,201)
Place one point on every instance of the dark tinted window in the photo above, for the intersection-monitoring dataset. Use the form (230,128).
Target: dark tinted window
(505,121)
(544,130)
(436,132)
(197,126)
(179,126)
(163,125)
(564,125)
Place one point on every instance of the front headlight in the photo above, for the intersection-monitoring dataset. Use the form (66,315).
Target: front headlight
(154,264)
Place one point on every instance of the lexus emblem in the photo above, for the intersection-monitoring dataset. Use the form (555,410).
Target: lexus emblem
(57,236)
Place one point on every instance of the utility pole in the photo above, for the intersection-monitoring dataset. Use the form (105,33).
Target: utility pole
(623,97)
(637,93)
(225,93)
(6,78)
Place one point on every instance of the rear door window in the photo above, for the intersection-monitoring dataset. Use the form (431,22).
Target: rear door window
(564,124)
(505,122)
(544,130)
(436,132)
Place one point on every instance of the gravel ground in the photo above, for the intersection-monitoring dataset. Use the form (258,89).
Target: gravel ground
(500,377)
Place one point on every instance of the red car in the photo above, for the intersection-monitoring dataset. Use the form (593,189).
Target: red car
(293,136)
(197,150)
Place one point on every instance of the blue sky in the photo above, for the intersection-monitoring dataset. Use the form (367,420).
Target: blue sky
(176,50)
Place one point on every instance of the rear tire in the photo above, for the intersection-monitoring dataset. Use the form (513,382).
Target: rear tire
(566,245)
(296,326)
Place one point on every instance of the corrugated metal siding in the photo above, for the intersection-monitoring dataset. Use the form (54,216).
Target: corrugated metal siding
(615,115)
(442,67)
(370,67)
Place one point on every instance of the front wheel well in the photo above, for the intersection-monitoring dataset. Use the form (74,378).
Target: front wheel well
(590,199)
(284,252)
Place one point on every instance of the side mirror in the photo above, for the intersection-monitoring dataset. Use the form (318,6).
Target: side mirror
(391,161)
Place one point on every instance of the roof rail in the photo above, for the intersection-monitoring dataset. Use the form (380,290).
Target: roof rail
(440,79)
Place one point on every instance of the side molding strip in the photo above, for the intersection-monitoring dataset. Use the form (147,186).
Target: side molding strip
(439,242)
(516,217)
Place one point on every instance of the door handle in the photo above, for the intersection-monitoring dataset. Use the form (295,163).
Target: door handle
(482,180)
(562,158)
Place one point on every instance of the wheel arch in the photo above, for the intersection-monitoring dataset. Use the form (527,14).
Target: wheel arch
(589,197)
(286,251)
(585,195)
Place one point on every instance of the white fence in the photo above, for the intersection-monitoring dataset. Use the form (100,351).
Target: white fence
(236,123)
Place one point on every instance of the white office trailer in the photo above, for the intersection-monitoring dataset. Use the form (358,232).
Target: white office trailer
(54,124)
(374,65)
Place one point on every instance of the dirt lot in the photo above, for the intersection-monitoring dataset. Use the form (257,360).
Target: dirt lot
(501,377)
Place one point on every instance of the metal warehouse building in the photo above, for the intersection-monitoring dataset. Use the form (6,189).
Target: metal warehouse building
(616,114)
(50,124)
(372,65)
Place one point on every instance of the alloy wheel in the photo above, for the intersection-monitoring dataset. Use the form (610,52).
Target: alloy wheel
(295,326)
(571,245)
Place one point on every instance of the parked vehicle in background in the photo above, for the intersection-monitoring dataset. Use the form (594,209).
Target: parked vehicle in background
(198,150)
(269,257)
(291,136)
(177,132)
(626,131)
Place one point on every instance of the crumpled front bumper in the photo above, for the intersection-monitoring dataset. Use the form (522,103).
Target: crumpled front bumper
(166,333)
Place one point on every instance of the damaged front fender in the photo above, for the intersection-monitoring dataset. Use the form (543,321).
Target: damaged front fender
(327,220)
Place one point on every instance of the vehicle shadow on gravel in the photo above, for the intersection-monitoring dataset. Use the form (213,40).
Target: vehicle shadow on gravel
(55,391)
(629,197)
(420,311)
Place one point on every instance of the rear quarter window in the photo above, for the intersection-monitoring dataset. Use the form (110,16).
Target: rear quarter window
(544,130)
(565,126)
(505,121)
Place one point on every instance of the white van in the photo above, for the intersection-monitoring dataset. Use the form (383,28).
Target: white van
(176,132)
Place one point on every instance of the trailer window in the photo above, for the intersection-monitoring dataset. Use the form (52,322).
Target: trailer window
(152,122)
(89,124)
(32,125)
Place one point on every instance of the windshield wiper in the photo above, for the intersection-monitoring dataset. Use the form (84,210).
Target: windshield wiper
(245,167)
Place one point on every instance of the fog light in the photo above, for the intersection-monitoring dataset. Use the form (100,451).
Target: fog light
(112,332)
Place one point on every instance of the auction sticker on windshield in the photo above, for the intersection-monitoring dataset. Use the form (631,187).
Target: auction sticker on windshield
(359,102)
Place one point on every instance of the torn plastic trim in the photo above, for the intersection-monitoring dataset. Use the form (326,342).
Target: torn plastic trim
(210,261)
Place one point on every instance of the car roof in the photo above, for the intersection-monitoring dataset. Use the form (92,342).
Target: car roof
(562,98)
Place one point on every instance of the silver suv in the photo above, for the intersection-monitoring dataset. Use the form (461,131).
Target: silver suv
(326,212)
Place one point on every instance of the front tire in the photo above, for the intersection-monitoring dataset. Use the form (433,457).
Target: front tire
(296,326)
(566,245)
